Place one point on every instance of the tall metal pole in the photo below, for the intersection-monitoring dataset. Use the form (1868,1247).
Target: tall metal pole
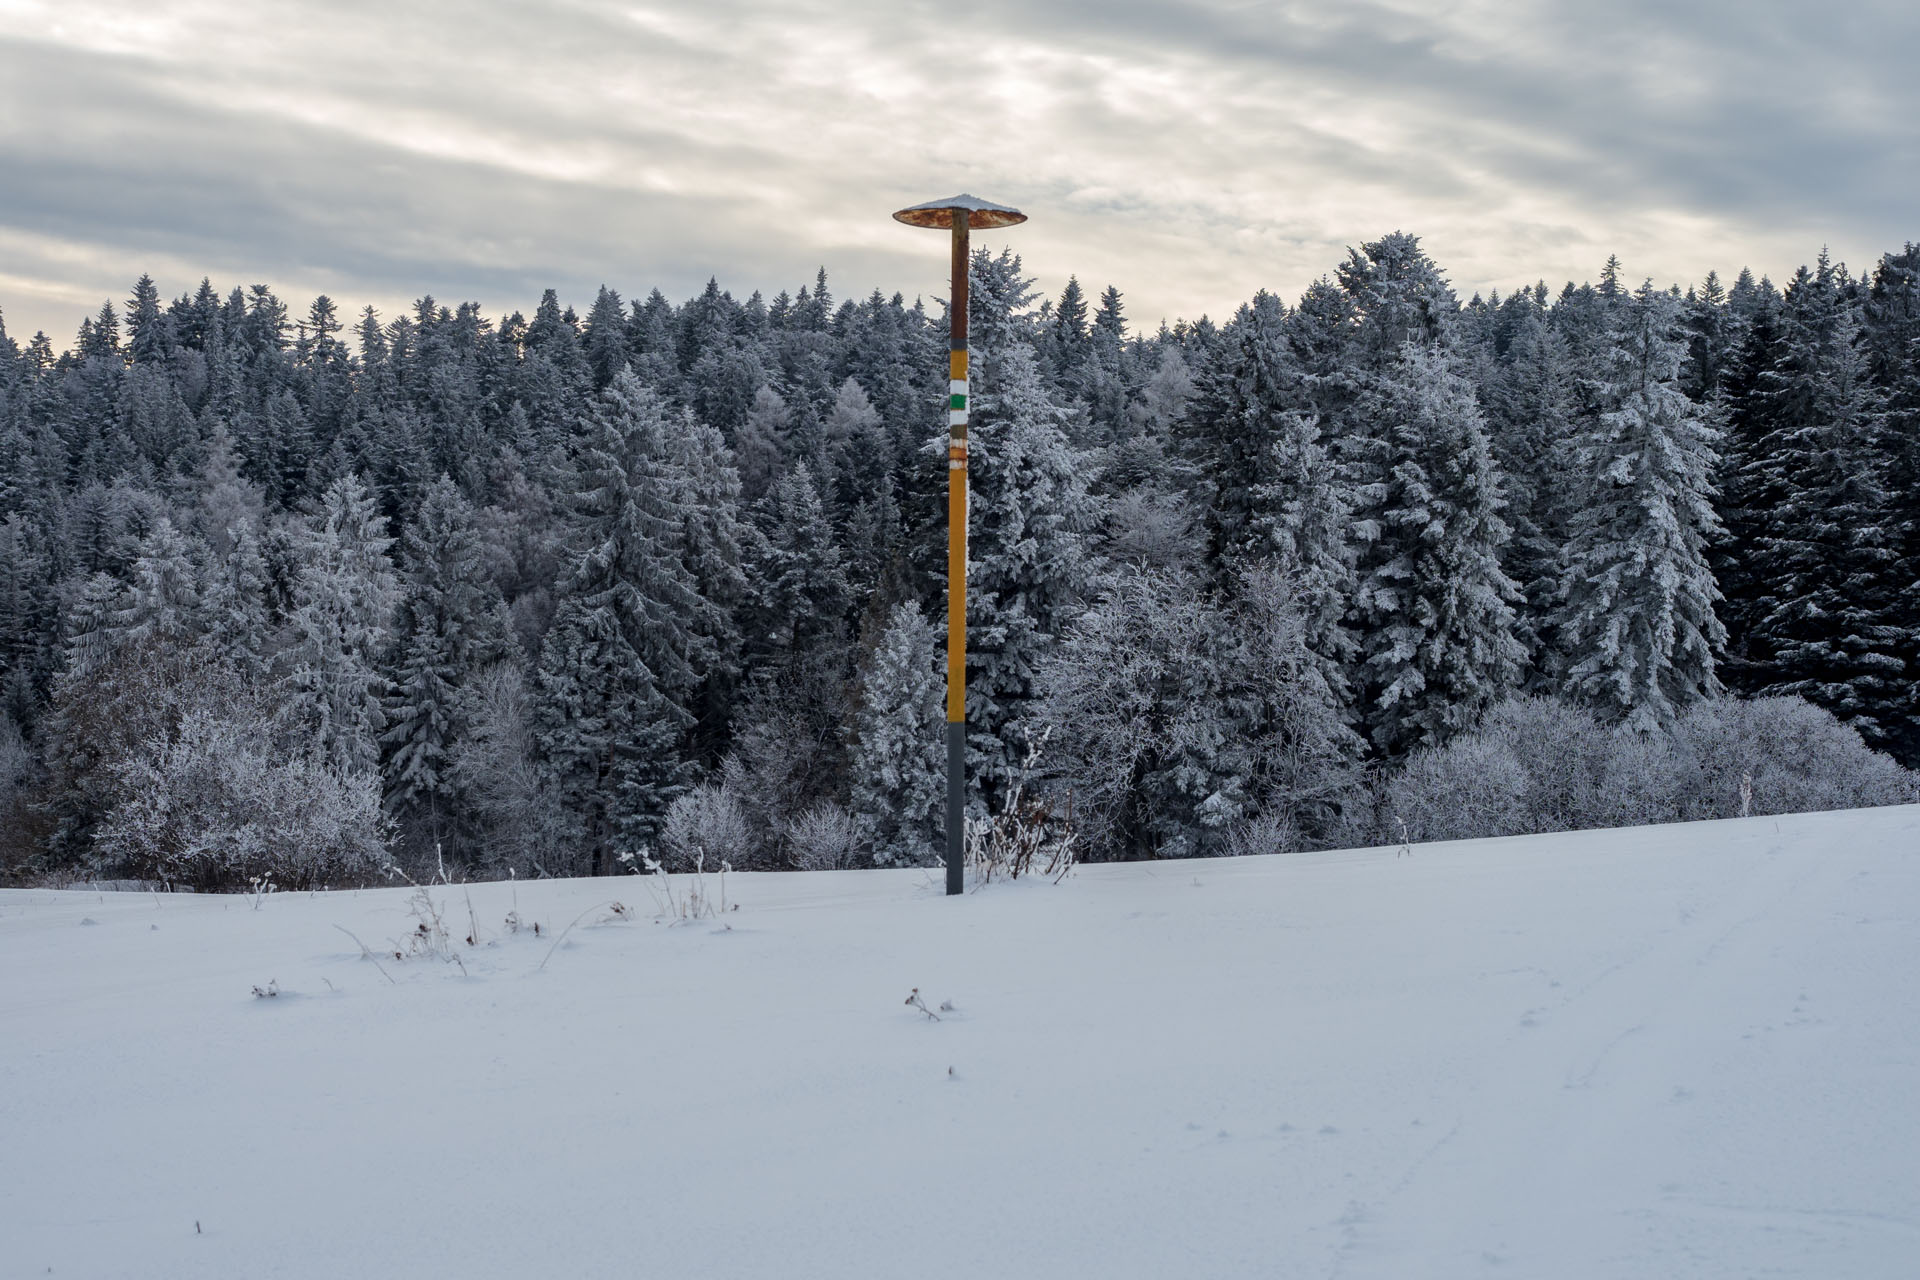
(957,564)
(960,213)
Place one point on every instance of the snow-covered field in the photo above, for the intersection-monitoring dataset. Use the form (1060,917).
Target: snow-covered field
(1666,1052)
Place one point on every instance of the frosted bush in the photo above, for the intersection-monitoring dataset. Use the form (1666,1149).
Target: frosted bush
(1564,750)
(1475,786)
(707,823)
(1642,781)
(1536,765)
(1263,833)
(825,837)
(1531,765)
(215,806)
(1800,757)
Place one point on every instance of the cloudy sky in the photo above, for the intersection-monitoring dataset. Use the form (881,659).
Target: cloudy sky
(1188,153)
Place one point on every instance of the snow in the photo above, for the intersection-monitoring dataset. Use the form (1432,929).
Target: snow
(1684,1051)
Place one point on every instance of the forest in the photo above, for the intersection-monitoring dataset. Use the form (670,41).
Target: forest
(327,599)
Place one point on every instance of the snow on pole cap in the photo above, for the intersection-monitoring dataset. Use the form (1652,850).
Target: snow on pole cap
(980,213)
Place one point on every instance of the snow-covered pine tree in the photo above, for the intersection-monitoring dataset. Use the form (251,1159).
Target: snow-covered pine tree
(26,619)
(1827,618)
(605,344)
(1638,628)
(340,626)
(453,626)
(631,635)
(898,764)
(798,596)
(1029,516)
(1273,491)
(1246,397)
(711,538)
(1398,297)
(1744,487)
(760,446)
(162,604)
(859,455)
(235,601)
(999,298)
(1433,610)
(1531,426)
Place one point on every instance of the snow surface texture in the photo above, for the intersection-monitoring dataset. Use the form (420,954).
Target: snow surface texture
(1682,1051)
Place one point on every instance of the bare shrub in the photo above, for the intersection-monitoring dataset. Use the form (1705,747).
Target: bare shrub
(825,837)
(1564,750)
(1536,765)
(1642,781)
(707,823)
(1263,833)
(788,750)
(1027,836)
(215,806)
(1800,757)
(1474,786)
(521,823)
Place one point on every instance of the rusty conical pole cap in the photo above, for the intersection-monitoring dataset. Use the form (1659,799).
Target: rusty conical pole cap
(939,214)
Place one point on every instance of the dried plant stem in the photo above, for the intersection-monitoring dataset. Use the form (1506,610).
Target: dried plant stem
(368,953)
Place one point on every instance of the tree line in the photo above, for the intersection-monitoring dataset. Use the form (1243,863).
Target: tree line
(293,597)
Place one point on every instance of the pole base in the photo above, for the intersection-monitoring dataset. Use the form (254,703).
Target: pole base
(956,807)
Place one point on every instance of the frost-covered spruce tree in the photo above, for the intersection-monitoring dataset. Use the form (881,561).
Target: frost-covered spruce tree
(999,295)
(1638,627)
(1826,555)
(1026,553)
(235,599)
(1398,297)
(1247,398)
(1746,491)
(163,603)
(1433,610)
(1273,492)
(798,599)
(453,625)
(1901,442)
(712,543)
(1139,458)
(760,445)
(631,634)
(26,618)
(858,452)
(1531,425)
(1175,717)
(341,624)
(898,762)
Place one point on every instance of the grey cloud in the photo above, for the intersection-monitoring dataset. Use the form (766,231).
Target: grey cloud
(1754,127)
(1190,153)
(271,199)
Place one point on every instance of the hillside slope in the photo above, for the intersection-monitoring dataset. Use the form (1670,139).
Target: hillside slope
(1685,1051)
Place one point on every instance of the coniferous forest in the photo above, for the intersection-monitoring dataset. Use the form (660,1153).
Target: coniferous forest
(310,595)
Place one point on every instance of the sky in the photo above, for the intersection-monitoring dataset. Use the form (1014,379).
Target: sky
(1188,154)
